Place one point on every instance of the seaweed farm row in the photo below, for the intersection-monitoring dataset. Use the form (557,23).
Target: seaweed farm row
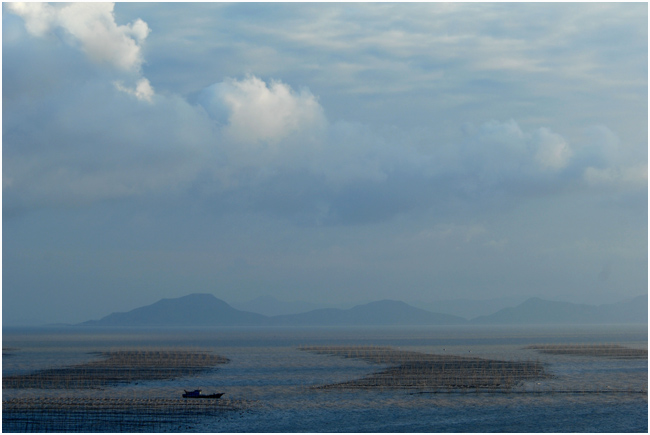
(318,388)
(408,369)
(119,367)
(111,414)
(598,350)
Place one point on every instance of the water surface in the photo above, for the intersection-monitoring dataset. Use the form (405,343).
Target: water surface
(274,379)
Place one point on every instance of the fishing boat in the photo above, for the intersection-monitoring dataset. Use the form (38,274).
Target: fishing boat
(196,394)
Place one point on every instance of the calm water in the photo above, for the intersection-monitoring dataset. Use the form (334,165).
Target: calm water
(274,378)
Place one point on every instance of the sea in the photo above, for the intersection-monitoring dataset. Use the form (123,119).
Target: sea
(274,385)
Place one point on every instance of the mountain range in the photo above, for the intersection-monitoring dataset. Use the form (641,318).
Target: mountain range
(467,308)
(198,309)
(540,311)
(384,312)
(270,306)
(202,309)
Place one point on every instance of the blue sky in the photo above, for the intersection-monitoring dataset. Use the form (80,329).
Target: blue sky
(331,153)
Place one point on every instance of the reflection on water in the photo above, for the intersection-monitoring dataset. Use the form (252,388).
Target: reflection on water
(273,379)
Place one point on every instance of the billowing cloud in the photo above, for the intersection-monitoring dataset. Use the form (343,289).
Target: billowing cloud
(259,140)
(270,126)
(273,126)
(142,89)
(500,151)
(609,163)
(248,133)
(254,112)
(91,26)
(265,129)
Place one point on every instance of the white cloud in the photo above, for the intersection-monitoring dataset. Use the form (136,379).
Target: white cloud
(142,89)
(270,127)
(256,112)
(39,17)
(267,128)
(91,27)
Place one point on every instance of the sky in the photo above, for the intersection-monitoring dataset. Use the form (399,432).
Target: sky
(332,153)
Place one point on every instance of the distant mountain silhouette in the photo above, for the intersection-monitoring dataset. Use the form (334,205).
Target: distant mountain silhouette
(207,310)
(201,310)
(384,312)
(632,311)
(468,308)
(198,309)
(539,311)
(270,306)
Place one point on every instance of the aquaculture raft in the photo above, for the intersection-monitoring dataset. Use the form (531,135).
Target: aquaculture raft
(408,369)
(119,367)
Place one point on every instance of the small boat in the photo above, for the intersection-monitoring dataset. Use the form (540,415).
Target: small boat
(196,394)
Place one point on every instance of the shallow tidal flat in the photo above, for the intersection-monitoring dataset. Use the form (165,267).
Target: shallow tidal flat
(118,367)
(450,373)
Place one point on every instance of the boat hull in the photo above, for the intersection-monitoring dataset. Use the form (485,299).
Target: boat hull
(191,395)
(203,396)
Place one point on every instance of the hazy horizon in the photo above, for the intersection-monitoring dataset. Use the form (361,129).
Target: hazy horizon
(321,152)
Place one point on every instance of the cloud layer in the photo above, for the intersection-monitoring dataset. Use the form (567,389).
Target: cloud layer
(433,150)
(245,133)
